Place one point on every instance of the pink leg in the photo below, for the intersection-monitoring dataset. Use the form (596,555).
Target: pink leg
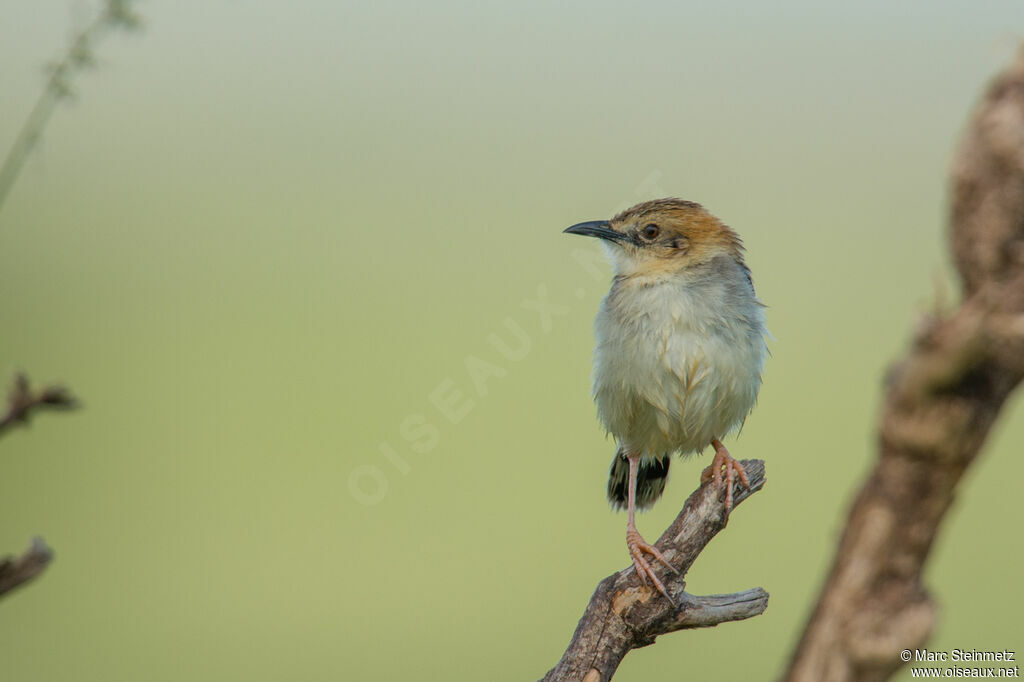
(634,541)
(733,469)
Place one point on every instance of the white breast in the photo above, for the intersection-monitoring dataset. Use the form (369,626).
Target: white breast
(678,361)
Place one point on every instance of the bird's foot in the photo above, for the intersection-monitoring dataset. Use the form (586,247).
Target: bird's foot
(637,548)
(733,470)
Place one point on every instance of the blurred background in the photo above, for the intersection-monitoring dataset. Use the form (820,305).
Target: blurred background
(271,246)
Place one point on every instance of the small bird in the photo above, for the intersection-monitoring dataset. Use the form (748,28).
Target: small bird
(679,354)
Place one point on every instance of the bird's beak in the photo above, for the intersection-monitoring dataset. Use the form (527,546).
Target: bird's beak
(597,228)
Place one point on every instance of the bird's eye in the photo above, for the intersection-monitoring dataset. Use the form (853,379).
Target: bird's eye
(650,231)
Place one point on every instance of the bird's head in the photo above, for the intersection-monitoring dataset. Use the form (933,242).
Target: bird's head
(662,237)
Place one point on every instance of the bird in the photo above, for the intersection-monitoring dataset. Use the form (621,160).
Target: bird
(680,348)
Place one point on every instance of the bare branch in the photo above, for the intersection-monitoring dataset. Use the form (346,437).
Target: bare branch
(79,55)
(18,571)
(22,402)
(941,401)
(624,615)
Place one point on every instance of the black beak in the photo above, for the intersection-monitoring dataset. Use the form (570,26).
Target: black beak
(597,228)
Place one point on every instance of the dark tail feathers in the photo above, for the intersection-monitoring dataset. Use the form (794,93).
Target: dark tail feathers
(650,481)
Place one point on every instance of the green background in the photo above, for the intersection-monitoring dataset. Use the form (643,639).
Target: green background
(264,234)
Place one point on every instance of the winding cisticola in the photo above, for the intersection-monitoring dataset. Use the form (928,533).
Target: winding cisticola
(679,354)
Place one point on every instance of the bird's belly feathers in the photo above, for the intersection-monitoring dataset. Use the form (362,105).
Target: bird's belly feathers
(676,368)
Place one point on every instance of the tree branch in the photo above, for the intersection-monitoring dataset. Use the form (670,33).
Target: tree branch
(22,402)
(941,401)
(624,615)
(79,55)
(18,571)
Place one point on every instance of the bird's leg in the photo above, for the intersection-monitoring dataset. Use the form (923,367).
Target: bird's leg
(634,541)
(732,469)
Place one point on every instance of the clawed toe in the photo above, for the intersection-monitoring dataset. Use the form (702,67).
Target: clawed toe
(637,548)
(733,470)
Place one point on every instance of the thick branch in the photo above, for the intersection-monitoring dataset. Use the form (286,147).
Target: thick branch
(623,614)
(941,401)
(23,402)
(18,571)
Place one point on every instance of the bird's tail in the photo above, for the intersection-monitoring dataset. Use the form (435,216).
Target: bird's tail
(650,480)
